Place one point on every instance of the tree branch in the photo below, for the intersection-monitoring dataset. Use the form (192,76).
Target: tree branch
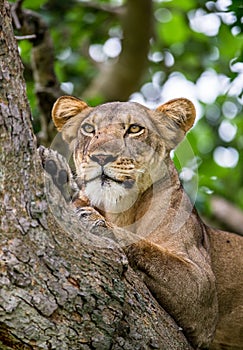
(227,213)
(47,86)
(114,10)
(118,79)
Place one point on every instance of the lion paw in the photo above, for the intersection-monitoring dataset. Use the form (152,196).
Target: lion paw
(58,173)
(91,215)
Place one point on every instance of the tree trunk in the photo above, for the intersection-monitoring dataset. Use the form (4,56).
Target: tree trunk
(60,288)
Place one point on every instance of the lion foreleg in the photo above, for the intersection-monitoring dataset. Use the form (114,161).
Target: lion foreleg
(183,288)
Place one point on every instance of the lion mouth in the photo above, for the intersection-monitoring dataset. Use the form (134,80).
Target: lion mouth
(127,183)
(107,180)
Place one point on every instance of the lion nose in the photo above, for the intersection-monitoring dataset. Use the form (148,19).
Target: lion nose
(103,159)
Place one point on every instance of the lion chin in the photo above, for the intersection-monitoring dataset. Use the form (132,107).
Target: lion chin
(110,195)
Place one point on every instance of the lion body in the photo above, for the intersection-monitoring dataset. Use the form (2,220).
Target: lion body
(121,154)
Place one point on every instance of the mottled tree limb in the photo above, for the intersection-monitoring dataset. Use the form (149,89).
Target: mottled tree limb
(227,214)
(118,79)
(47,86)
(112,9)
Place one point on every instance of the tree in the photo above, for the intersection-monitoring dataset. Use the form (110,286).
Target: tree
(60,289)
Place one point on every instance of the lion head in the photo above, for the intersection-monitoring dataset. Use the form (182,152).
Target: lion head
(120,148)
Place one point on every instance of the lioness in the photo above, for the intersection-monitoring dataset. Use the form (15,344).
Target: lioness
(121,154)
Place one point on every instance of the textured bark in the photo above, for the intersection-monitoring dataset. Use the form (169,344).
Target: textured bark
(61,286)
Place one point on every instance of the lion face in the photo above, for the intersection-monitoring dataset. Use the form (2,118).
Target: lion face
(119,148)
(117,155)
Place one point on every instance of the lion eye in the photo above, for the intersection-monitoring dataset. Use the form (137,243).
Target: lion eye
(88,128)
(135,129)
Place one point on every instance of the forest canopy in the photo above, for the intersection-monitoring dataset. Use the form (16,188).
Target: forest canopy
(149,52)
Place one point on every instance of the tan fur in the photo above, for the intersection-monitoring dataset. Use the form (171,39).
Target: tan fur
(121,154)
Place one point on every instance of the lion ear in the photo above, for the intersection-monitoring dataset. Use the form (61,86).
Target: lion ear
(181,111)
(67,116)
(176,117)
(65,108)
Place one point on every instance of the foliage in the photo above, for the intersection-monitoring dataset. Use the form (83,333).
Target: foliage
(209,55)
(196,52)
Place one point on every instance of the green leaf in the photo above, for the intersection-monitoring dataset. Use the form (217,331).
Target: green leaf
(34,4)
(185,5)
(229,46)
(174,31)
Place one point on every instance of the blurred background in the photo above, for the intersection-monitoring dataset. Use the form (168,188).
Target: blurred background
(148,51)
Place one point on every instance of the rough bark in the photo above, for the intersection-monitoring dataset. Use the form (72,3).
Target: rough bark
(60,288)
